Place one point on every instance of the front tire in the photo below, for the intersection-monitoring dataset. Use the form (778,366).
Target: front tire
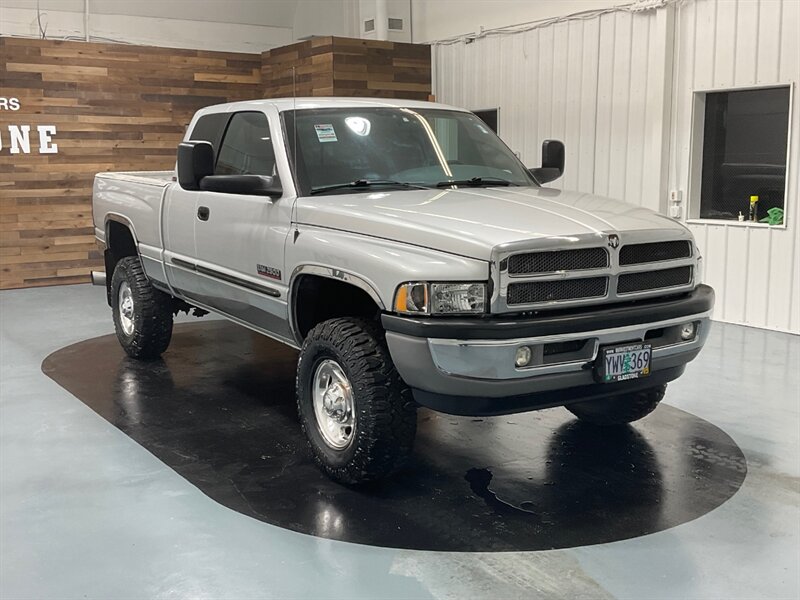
(620,409)
(355,410)
(142,314)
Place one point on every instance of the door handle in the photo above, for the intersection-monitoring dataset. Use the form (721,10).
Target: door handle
(203,213)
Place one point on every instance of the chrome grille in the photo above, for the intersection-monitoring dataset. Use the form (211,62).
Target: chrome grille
(558,260)
(586,269)
(653,280)
(531,292)
(637,254)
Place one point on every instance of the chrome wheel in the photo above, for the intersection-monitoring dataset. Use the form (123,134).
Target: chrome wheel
(333,404)
(125,300)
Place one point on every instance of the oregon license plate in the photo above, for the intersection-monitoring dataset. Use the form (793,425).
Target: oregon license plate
(618,363)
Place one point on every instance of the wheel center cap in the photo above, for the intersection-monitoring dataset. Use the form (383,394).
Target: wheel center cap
(334,403)
(127,307)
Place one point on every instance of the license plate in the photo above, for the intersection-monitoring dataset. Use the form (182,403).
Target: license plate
(619,363)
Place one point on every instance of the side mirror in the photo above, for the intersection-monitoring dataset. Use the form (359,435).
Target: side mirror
(250,185)
(195,161)
(552,162)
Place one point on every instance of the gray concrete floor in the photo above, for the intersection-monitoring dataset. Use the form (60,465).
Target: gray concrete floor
(85,512)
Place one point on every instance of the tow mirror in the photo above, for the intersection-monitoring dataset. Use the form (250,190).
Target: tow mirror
(552,162)
(195,161)
(250,185)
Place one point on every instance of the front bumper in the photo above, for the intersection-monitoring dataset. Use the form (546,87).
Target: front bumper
(466,366)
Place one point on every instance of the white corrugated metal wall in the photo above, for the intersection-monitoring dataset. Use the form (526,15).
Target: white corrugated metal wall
(618,90)
(723,44)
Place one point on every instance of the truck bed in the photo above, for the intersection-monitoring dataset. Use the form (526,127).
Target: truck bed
(160,178)
(141,194)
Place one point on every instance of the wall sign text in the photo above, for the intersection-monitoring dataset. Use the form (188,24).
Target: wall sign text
(17,138)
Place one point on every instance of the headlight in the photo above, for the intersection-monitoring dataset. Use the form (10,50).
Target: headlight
(440,298)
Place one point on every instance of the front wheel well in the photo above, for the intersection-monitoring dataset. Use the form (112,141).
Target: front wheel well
(317,299)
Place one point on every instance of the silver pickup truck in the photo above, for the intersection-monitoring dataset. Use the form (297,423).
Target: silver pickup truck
(412,259)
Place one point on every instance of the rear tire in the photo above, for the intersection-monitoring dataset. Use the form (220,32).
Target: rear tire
(142,314)
(621,409)
(355,410)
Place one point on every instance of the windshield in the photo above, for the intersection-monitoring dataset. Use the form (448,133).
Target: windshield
(350,149)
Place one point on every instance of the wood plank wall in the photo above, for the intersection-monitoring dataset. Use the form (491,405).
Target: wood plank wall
(334,66)
(313,64)
(116,108)
(125,108)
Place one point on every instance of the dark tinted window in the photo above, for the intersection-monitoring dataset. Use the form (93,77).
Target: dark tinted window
(209,128)
(744,152)
(247,146)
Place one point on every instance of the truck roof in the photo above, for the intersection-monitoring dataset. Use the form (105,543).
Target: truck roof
(282,104)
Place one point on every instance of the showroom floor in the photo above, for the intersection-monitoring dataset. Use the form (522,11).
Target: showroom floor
(87,510)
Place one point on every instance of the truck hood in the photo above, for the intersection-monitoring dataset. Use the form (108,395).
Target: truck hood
(471,222)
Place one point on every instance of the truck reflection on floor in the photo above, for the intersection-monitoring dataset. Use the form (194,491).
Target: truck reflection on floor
(219,409)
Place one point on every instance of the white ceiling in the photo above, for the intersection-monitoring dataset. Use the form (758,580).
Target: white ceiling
(275,13)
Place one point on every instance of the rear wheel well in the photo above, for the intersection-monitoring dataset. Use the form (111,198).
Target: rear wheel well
(119,241)
(317,299)
(119,244)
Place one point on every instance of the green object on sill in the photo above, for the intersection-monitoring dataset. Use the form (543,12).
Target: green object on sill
(774,217)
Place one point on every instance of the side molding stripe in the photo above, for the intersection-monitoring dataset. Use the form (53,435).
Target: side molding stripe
(262,289)
(182,263)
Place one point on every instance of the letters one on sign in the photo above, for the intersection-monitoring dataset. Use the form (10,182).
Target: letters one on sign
(19,136)
(19,139)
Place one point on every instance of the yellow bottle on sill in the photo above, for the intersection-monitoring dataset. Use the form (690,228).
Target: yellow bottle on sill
(753,215)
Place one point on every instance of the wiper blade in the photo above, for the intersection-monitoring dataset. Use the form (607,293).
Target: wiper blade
(366,183)
(475,182)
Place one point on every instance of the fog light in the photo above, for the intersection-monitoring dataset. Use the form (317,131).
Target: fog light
(687,331)
(523,356)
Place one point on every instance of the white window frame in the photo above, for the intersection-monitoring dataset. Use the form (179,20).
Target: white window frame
(696,155)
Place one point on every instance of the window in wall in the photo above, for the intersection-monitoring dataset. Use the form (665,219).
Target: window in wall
(744,154)
(489,117)
(247,147)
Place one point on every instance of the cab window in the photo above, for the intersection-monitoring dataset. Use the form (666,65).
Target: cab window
(247,148)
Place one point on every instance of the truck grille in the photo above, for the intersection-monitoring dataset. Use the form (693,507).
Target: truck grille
(637,254)
(585,271)
(531,292)
(558,260)
(654,280)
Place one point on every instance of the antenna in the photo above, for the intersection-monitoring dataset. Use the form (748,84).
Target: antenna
(294,151)
(294,127)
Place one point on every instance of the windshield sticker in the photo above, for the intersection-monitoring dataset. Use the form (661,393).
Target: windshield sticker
(325,133)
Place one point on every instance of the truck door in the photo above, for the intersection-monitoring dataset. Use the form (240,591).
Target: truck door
(179,215)
(179,246)
(240,238)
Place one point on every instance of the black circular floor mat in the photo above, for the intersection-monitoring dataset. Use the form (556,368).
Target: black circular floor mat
(219,409)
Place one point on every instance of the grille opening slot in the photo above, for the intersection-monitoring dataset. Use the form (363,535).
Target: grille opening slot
(637,254)
(551,261)
(564,347)
(654,333)
(654,280)
(532,292)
